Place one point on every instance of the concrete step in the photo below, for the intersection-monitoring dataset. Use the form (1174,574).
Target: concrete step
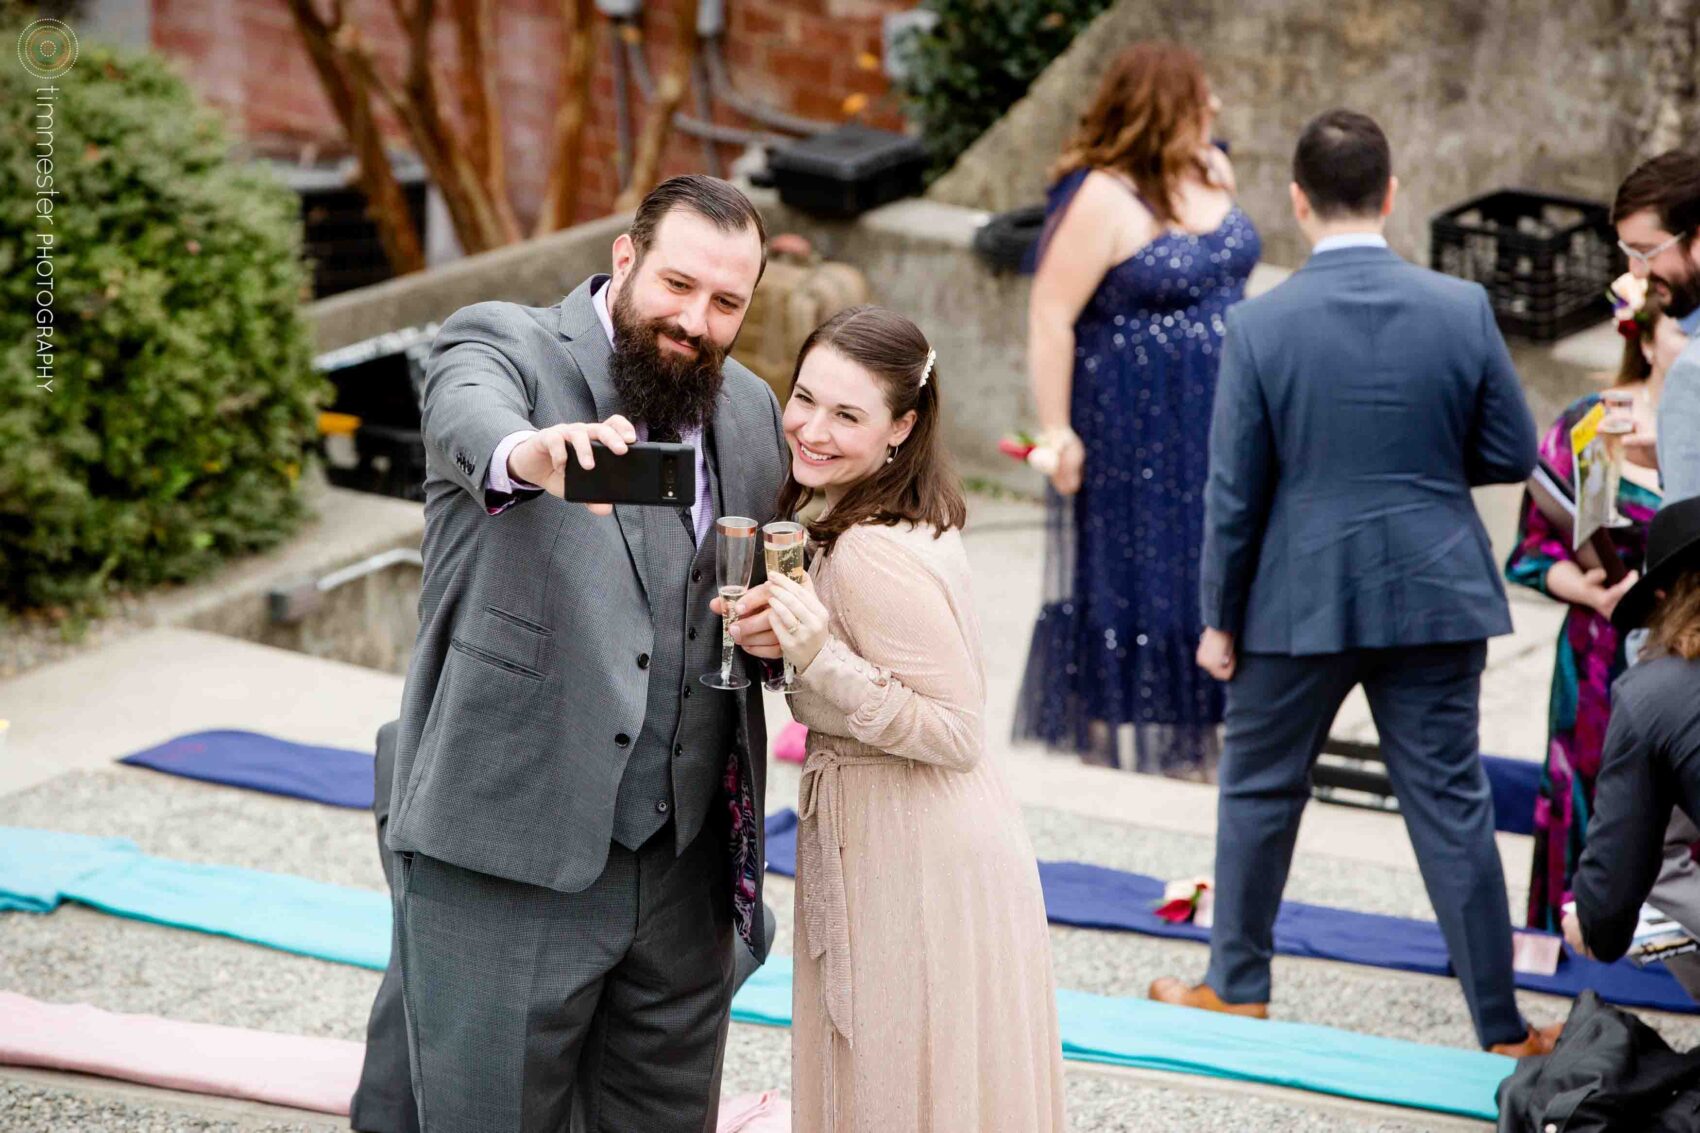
(143,689)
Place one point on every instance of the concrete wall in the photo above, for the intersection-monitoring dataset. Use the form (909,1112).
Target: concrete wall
(535,273)
(1473,94)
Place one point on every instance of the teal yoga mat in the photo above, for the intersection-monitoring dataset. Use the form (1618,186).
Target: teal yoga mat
(1156,1036)
(40,869)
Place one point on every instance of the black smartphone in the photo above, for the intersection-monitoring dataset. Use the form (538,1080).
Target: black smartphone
(650,472)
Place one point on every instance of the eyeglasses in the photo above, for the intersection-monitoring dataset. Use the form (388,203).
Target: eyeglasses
(1645,259)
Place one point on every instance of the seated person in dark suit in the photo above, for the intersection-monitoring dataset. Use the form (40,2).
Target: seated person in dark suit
(1652,751)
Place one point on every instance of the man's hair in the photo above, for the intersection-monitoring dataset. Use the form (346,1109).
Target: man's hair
(1343,164)
(719,202)
(1670,185)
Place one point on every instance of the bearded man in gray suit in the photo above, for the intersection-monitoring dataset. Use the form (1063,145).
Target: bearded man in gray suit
(577,818)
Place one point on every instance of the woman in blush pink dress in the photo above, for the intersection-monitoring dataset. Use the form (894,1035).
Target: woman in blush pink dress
(923,999)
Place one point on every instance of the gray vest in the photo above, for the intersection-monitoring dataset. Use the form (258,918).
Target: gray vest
(676,766)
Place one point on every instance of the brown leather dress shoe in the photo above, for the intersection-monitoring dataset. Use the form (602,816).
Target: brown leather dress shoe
(1541,1040)
(1170,990)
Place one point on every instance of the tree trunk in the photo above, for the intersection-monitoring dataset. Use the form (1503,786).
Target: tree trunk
(578,40)
(658,124)
(351,99)
(480,101)
(418,107)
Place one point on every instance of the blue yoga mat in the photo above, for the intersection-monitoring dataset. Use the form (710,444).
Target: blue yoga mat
(39,869)
(1515,783)
(1091,896)
(333,775)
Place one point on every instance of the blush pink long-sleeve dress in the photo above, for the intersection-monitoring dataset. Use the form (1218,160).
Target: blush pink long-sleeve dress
(924,999)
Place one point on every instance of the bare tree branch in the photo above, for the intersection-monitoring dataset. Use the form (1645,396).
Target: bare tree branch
(463,194)
(481,104)
(578,42)
(351,101)
(669,92)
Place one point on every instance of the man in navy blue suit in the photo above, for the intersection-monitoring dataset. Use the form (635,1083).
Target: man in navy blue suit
(1358,404)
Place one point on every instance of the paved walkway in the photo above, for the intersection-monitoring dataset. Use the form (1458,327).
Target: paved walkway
(70,720)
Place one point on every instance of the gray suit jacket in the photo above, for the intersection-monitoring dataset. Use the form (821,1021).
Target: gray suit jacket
(1358,403)
(525,692)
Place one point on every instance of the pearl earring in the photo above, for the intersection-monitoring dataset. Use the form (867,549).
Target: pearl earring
(892,455)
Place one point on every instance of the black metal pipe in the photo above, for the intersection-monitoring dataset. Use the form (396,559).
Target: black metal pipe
(720,86)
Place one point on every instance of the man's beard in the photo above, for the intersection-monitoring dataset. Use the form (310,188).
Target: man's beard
(1682,296)
(665,390)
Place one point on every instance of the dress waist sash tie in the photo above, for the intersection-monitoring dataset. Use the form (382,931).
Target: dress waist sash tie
(820,840)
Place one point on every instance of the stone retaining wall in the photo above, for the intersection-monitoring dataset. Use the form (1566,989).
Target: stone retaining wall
(1473,95)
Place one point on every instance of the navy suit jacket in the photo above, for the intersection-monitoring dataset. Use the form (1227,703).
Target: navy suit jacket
(1358,403)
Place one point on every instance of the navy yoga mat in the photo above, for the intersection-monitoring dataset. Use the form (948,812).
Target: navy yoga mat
(332,775)
(1094,897)
(341,777)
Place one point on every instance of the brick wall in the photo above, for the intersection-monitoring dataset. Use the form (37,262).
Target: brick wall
(815,58)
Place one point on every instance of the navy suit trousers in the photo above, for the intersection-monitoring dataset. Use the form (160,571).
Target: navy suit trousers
(1425,700)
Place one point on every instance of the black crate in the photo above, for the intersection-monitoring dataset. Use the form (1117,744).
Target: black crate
(1008,241)
(1545,260)
(381,381)
(847,171)
(339,239)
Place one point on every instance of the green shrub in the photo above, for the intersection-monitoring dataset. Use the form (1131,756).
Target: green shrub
(977,61)
(183,394)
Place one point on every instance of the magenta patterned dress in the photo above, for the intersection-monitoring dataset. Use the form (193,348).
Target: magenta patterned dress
(1590,658)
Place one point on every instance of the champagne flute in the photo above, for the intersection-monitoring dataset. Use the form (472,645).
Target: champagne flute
(734,562)
(782,544)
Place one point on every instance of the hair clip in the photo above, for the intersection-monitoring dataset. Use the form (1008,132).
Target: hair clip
(932,356)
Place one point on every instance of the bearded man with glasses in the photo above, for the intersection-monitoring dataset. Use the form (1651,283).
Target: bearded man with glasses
(1657,215)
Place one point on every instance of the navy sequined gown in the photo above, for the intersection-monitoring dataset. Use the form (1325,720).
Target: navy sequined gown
(1116,638)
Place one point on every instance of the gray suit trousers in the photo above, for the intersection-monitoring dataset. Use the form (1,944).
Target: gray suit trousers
(383,1102)
(520,997)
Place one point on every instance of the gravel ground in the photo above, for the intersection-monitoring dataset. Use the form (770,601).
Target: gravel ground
(77,954)
(755,1055)
(28,1108)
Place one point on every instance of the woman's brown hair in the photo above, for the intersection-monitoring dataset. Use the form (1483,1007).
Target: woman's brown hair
(1674,626)
(1635,367)
(1144,122)
(919,485)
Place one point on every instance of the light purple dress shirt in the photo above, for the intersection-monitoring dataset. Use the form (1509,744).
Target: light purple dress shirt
(497,479)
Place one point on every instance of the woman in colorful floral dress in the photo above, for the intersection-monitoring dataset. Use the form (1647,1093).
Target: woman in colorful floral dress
(1590,653)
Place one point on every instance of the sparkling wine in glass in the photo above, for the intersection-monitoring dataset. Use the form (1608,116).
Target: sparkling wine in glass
(783,543)
(734,562)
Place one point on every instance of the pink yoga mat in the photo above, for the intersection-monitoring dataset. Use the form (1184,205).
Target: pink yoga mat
(232,1062)
(788,745)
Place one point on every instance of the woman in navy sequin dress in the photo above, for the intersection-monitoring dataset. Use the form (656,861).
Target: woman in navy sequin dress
(1144,250)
